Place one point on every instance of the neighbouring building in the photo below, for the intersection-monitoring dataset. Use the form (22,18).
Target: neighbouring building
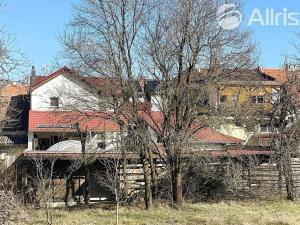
(248,93)
(14,101)
(65,104)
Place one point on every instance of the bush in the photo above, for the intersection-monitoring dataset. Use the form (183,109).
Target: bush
(205,179)
(11,209)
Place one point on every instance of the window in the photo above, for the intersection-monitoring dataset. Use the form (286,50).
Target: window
(99,138)
(260,99)
(253,99)
(223,98)
(101,145)
(54,102)
(234,99)
(257,99)
(264,128)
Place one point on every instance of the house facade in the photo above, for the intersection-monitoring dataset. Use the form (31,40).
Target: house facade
(248,94)
(63,104)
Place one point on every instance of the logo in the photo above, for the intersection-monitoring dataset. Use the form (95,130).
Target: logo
(229,17)
(274,18)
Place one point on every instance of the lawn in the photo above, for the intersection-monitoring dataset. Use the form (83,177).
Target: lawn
(223,213)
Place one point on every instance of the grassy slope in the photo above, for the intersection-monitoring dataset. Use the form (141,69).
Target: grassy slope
(224,213)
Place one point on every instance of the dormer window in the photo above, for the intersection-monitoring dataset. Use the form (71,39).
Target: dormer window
(54,102)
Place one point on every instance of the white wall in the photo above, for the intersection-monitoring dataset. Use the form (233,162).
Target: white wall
(156,103)
(235,131)
(72,95)
(112,139)
(30,140)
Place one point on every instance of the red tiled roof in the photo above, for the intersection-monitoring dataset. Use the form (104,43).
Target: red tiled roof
(238,152)
(104,84)
(209,135)
(279,74)
(63,121)
(205,134)
(40,80)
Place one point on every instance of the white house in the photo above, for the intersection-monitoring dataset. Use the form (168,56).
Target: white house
(64,104)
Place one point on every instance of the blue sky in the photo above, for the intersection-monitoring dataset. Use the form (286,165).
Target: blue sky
(35,24)
(274,42)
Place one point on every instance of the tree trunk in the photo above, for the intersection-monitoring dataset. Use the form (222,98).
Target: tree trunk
(117,213)
(288,173)
(124,163)
(280,175)
(249,172)
(117,206)
(87,185)
(153,174)
(48,214)
(67,193)
(177,186)
(147,180)
(175,161)
(125,177)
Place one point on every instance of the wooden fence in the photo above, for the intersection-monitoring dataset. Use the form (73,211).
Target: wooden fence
(265,179)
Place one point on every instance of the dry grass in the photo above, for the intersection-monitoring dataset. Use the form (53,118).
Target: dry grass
(224,213)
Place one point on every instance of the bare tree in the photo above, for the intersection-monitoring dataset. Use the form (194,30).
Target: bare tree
(11,209)
(186,51)
(168,41)
(101,40)
(12,60)
(110,179)
(284,121)
(43,183)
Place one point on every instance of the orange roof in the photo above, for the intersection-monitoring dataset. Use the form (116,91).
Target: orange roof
(279,74)
(14,90)
(209,135)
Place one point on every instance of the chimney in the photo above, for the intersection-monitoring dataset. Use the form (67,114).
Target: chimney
(32,76)
(260,69)
(142,82)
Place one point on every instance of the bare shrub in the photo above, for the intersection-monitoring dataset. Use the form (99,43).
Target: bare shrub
(211,179)
(11,210)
